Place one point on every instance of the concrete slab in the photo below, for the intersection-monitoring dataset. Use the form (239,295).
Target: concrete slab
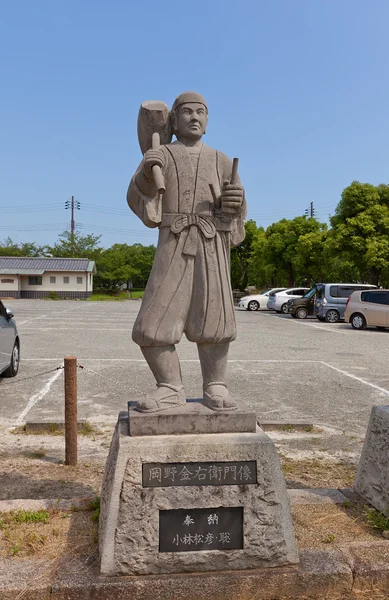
(26,579)
(316,496)
(50,426)
(321,574)
(193,417)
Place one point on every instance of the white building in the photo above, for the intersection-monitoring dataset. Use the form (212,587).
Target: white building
(25,277)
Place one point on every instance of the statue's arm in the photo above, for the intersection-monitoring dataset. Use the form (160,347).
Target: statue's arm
(237,221)
(143,198)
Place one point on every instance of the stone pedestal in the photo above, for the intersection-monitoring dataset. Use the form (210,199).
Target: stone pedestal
(372,480)
(185,503)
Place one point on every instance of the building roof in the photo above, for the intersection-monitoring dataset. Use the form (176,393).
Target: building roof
(31,265)
(21,271)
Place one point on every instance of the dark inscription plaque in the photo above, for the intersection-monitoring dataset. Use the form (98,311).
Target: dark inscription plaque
(202,473)
(191,530)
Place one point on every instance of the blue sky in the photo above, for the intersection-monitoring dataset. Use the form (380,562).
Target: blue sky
(297,89)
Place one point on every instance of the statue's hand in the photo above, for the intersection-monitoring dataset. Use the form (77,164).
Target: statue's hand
(151,158)
(231,197)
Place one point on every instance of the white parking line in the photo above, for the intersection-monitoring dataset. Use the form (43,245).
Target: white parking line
(36,397)
(188,360)
(323,328)
(376,387)
(74,328)
(45,316)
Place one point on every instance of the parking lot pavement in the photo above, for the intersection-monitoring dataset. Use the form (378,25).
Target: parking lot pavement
(284,368)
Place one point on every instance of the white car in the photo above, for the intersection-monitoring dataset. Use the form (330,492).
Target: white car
(257,301)
(279,301)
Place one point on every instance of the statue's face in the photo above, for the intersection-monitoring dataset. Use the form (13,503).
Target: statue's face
(192,121)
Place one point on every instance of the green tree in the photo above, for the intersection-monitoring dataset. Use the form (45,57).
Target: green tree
(240,256)
(358,243)
(11,248)
(122,264)
(81,246)
(289,252)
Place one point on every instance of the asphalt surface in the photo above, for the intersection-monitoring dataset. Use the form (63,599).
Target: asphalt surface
(284,368)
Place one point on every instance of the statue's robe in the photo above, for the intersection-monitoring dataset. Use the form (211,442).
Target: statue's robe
(189,289)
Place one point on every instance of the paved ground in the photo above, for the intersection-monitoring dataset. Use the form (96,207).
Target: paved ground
(286,369)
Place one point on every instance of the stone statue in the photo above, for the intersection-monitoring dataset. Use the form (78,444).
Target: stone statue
(200,215)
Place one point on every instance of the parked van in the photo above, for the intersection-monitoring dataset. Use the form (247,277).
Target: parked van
(331,299)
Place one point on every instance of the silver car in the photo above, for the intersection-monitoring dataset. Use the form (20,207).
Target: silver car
(9,343)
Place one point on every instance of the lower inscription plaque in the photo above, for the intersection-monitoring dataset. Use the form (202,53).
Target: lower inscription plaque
(190,530)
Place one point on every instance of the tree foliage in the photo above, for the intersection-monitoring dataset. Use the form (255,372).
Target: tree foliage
(77,246)
(299,251)
(122,264)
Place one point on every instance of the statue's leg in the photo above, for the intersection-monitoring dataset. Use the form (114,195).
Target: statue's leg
(213,360)
(165,366)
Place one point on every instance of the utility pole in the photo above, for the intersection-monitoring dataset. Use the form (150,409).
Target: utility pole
(74,205)
(310,212)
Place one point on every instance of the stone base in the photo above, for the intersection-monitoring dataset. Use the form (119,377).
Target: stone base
(192,417)
(130,513)
(372,480)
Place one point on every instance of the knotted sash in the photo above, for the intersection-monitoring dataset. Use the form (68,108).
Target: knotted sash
(208,225)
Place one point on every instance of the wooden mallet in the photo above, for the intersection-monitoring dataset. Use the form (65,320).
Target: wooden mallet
(153,129)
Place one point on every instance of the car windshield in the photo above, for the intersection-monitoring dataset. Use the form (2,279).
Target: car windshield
(265,292)
(310,293)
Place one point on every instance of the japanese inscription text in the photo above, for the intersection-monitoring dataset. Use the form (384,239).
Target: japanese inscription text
(191,530)
(202,473)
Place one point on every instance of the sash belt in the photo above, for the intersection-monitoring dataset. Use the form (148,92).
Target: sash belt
(207,224)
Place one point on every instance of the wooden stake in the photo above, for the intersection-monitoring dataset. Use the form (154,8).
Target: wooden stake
(70,365)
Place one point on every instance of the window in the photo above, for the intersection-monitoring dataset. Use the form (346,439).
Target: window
(52,279)
(79,279)
(334,291)
(320,289)
(35,280)
(375,297)
(66,279)
(3,312)
(345,292)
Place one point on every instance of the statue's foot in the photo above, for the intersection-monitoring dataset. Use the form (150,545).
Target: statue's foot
(217,397)
(164,397)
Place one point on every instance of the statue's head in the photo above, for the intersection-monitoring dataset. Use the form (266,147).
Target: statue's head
(189,116)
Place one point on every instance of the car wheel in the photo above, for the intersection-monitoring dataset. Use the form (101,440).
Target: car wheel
(284,309)
(332,316)
(301,313)
(253,305)
(358,321)
(14,364)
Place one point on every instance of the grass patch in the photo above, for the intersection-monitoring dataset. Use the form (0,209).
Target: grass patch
(376,519)
(94,507)
(38,454)
(87,429)
(319,472)
(24,516)
(46,534)
(115,297)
